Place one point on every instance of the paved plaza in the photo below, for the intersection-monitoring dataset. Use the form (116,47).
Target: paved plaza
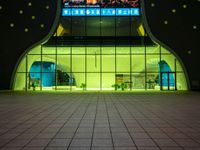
(100,121)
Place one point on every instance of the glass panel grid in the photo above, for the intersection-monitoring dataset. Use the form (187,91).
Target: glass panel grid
(98,66)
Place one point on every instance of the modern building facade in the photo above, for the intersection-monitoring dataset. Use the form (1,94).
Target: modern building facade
(100,47)
(100,52)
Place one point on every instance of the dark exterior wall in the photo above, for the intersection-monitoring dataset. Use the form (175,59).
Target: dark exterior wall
(38,16)
(176,25)
(179,34)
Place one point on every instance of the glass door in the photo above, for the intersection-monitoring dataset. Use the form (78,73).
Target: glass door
(168,81)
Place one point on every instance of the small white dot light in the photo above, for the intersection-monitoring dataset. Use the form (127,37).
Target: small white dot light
(152,5)
(21,12)
(29,4)
(32,17)
(26,30)
(47,7)
(165,22)
(1,7)
(194,27)
(42,25)
(12,25)
(184,6)
(189,52)
(173,10)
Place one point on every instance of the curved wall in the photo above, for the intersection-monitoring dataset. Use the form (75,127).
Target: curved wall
(175,25)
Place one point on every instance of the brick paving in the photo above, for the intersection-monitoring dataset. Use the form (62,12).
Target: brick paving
(100,121)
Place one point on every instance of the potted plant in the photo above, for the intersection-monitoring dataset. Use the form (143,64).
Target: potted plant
(123,86)
(34,84)
(83,86)
(116,86)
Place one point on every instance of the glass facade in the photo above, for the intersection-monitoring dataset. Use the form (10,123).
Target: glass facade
(74,68)
(99,53)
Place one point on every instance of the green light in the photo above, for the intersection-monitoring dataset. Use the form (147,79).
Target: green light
(100,68)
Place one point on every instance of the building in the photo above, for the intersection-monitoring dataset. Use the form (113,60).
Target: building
(104,45)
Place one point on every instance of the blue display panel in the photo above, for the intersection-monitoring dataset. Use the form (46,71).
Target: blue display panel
(101,12)
(101,8)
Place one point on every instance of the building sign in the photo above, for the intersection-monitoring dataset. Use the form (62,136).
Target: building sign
(100,8)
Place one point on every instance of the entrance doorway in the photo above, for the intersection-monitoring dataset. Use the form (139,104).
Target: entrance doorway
(167,77)
(168,81)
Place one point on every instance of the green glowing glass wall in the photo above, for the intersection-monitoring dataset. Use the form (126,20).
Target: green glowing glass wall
(100,67)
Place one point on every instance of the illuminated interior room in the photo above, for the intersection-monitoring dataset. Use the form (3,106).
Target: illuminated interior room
(100,49)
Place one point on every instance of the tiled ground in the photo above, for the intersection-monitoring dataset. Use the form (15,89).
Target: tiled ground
(100,121)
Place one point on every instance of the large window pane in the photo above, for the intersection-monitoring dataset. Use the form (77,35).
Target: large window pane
(34,81)
(48,63)
(152,63)
(170,60)
(80,81)
(123,63)
(138,80)
(22,65)
(108,79)
(63,63)
(181,81)
(48,80)
(108,63)
(152,81)
(93,81)
(31,59)
(93,63)
(138,63)
(78,63)
(123,80)
(20,79)
(64,76)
